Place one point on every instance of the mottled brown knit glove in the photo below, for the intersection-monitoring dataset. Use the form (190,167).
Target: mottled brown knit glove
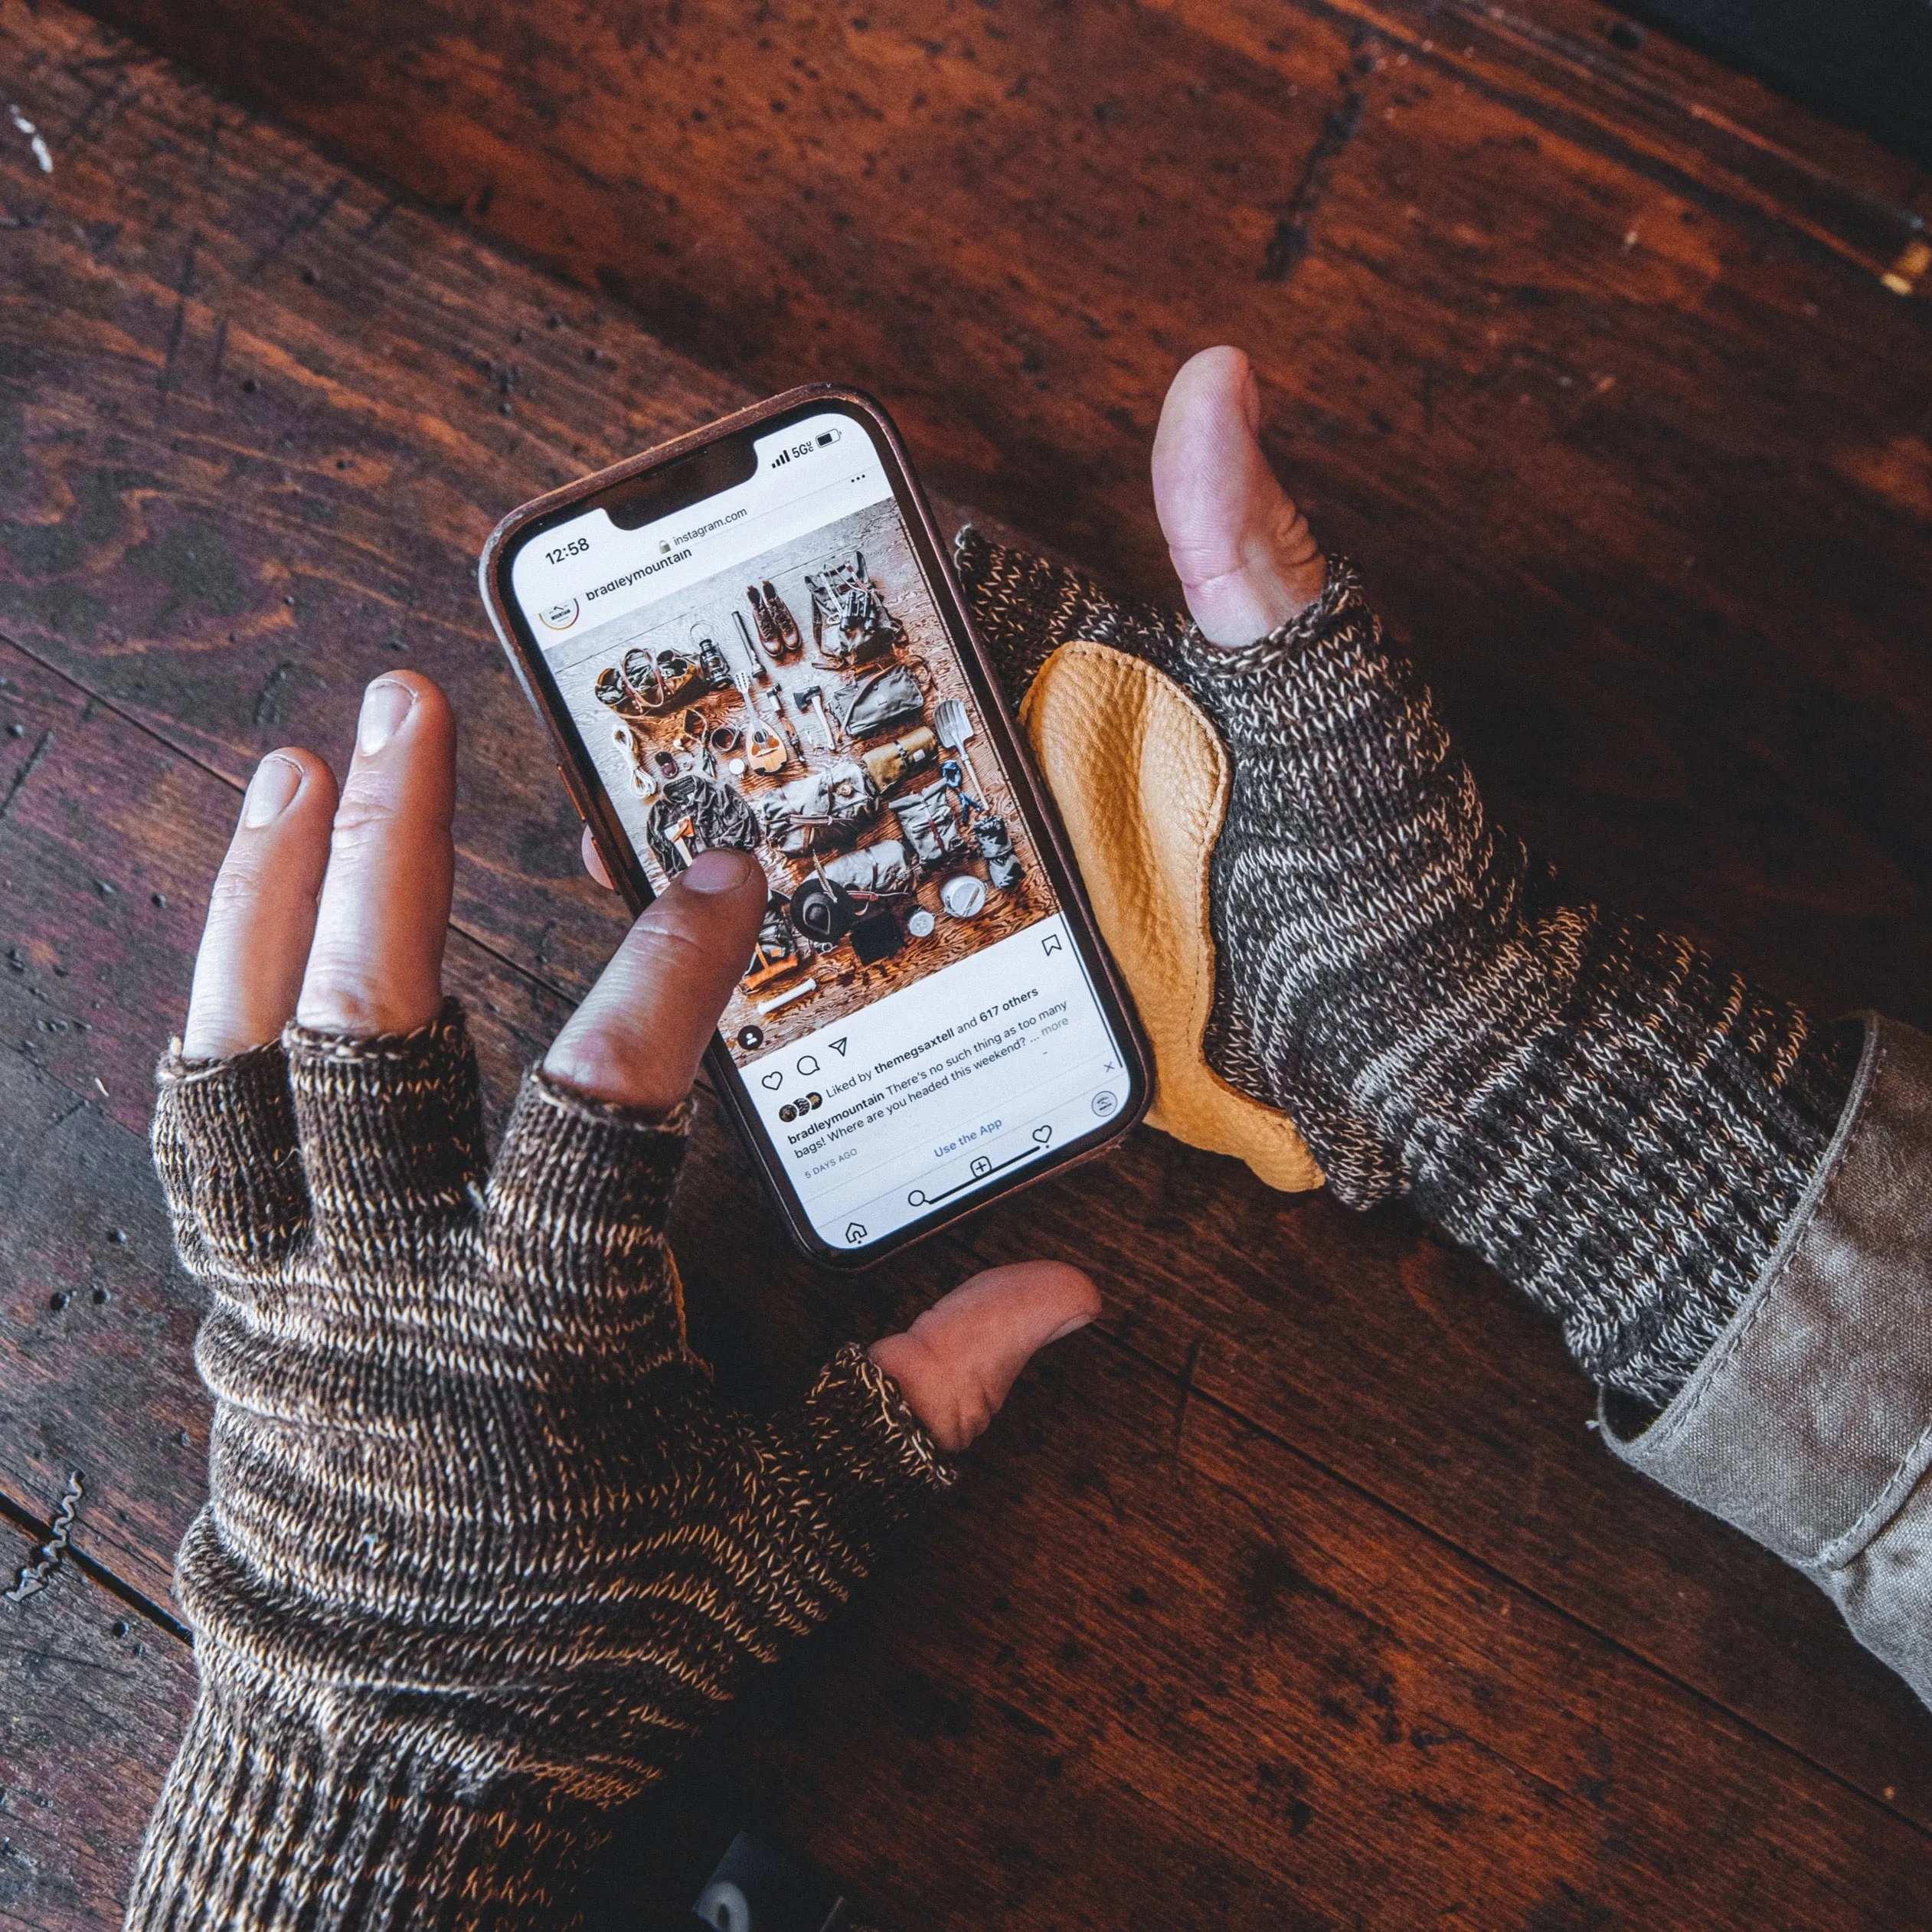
(1618,1123)
(483,1550)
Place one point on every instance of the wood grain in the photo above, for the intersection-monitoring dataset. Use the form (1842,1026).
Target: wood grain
(1582,355)
(1254,1701)
(1375,1408)
(92,1697)
(1244,1702)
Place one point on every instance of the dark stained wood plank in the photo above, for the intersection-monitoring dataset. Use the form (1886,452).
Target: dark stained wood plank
(1333,1335)
(1583,354)
(1868,66)
(1246,1703)
(92,1695)
(254,463)
(1371,1346)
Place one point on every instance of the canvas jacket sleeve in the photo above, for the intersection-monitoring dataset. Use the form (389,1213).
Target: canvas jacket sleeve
(1809,1425)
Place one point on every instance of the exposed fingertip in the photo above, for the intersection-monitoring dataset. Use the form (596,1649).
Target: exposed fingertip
(1085,1317)
(312,763)
(375,965)
(1073,1325)
(271,791)
(394,701)
(593,861)
(386,705)
(1066,1286)
(1244,555)
(722,869)
(958,1360)
(289,774)
(261,909)
(424,689)
(638,1037)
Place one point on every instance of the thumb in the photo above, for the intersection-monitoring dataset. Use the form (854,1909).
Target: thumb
(1246,557)
(956,1363)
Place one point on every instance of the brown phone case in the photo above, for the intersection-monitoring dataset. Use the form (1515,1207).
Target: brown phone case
(593,805)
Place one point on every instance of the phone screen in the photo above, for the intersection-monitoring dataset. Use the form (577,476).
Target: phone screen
(768,668)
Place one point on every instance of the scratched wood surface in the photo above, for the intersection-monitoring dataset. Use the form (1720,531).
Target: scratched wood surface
(87,1683)
(1299,1594)
(1581,352)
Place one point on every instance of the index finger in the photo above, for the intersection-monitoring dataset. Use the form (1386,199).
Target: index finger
(375,965)
(642,1029)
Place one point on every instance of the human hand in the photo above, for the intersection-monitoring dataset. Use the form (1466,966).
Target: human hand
(1352,837)
(483,1547)
(1328,743)
(1595,1106)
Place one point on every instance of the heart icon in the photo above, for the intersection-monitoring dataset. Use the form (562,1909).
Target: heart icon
(775,1080)
(1043,1135)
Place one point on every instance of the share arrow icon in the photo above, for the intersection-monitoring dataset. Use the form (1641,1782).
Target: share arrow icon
(838,1047)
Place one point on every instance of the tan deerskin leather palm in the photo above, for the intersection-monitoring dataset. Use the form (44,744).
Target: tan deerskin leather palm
(1141,780)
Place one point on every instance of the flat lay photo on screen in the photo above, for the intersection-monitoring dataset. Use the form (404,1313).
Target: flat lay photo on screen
(962,966)
(836,806)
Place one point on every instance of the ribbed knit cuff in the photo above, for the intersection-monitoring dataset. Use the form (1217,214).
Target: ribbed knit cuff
(224,1147)
(871,1450)
(257,1831)
(1633,1174)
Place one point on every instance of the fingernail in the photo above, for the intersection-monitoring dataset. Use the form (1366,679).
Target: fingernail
(722,869)
(1068,1328)
(384,706)
(276,783)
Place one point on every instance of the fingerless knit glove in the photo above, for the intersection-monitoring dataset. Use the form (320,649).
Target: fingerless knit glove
(483,1551)
(1617,1124)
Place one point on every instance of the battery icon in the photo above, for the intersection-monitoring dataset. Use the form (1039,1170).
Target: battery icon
(826,437)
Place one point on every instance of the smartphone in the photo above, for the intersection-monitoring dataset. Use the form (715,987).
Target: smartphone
(752,637)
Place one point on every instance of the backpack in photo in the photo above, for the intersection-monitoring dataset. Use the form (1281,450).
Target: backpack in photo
(881,702)
(930,825)
(821,812)
(850,623)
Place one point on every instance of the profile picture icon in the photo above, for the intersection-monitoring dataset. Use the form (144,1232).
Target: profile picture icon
(559,616)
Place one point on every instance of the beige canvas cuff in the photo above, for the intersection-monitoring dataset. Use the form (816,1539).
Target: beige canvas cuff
(1809,1425)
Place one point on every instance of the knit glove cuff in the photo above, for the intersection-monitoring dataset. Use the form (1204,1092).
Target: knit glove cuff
(261,1826)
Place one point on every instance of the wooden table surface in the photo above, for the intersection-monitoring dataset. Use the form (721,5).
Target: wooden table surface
(1296,1593)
